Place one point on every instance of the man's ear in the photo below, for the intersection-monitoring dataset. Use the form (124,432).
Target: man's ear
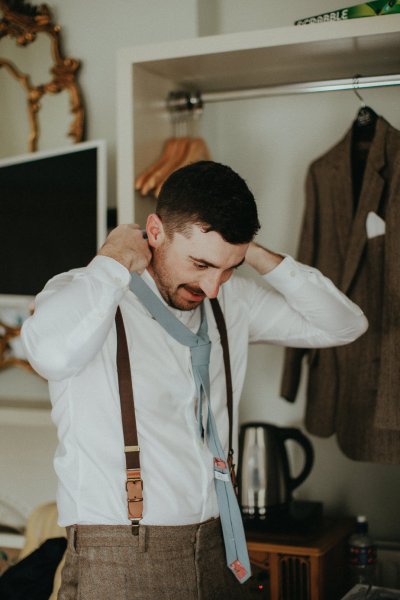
(155,230)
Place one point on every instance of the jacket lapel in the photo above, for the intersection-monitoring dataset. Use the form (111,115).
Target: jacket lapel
(369,200)
(343,199)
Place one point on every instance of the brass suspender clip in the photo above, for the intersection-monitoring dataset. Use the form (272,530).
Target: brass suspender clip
(135,527)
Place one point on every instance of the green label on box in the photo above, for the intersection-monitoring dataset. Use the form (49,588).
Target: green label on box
(368,9)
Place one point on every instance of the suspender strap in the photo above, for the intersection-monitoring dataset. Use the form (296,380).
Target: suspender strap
(134,484)
(220,321)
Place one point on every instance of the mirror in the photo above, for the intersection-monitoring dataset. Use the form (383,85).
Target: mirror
(34,74)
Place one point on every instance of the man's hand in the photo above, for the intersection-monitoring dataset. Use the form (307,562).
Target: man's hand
(127,245)
(261,259)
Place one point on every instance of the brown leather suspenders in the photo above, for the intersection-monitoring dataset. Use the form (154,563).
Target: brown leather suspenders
(134,483)
(220,321)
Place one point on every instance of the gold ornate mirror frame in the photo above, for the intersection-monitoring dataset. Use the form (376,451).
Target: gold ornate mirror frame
(7,334)
(22,21)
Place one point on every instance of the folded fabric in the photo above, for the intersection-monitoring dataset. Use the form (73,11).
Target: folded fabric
(32,578)
(375,225)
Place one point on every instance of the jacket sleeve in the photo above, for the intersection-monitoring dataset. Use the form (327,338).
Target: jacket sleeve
(387,412)
(293,359)
(73,316)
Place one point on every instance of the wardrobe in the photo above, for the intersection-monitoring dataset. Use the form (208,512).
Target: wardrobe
(262,117)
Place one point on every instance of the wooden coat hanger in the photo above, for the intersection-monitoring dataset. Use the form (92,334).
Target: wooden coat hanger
(168,150)
(195,151)
(159,175)
(179,150)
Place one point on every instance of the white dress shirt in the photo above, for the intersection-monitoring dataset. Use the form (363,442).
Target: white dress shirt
(71,341)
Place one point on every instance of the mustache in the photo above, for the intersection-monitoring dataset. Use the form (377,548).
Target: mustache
(193,290)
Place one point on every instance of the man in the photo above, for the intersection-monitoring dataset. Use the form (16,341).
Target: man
(202,230)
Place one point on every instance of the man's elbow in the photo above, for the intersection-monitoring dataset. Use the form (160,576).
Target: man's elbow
(363,326)
(358,327)
(45,359)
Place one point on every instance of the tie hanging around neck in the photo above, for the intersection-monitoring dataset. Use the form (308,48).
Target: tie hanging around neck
(200,346)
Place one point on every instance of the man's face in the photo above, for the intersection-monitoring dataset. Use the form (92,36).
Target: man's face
(188,269)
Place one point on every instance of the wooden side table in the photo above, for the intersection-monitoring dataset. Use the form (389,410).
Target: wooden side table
(301,567)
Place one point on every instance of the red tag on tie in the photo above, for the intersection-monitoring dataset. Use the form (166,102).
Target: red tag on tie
(219,463)
(238,569)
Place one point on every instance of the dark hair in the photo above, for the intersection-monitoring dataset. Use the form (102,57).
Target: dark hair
(210,195)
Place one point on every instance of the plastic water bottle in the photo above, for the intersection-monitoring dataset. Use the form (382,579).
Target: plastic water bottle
(362,554)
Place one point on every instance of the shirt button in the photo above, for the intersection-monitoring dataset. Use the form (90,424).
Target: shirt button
(292,273)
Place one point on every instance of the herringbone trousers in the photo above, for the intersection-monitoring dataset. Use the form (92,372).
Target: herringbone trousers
(107,562)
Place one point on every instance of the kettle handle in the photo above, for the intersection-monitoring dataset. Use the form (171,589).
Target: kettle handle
(291,433)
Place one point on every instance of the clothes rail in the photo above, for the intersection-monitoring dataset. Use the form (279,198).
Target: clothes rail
(184,99)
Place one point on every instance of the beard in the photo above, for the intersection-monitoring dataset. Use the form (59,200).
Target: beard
(169,289)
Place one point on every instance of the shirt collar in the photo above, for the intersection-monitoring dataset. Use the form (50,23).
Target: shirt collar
(190,318)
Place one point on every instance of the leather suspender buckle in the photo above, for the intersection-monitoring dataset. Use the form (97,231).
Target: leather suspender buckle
(134,488)
(134,483)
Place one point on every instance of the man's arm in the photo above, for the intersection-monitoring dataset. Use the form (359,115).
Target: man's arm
(75,311)
(261,259)
(127,245)
(304,309)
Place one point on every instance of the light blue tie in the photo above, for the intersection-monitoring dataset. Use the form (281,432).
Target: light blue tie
(200,347)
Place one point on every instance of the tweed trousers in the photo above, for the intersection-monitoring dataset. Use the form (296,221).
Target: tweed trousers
(186,562)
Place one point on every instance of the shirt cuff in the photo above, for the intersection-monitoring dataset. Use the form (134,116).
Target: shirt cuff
(288,276)
(109,270)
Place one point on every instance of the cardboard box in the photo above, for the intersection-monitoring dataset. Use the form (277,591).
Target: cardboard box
(368,9)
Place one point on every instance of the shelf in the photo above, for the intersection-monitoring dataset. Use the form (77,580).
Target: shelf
(23,416)
(12,540)
(246,60)
(313,544)
(367,46)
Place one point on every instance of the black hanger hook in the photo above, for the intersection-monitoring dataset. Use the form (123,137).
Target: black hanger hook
(356,85)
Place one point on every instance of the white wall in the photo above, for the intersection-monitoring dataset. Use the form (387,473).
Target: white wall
(92,31)
(229,16)
(271,144)
(27,479)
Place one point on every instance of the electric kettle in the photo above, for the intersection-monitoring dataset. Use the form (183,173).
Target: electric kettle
(264,477)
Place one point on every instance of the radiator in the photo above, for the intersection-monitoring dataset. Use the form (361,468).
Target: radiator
(294,578)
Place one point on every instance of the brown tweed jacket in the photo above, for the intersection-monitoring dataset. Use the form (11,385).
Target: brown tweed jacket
(354,390)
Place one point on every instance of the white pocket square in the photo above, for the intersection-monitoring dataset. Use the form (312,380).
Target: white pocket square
(375,225)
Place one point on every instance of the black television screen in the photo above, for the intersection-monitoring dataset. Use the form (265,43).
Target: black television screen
(52,214)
